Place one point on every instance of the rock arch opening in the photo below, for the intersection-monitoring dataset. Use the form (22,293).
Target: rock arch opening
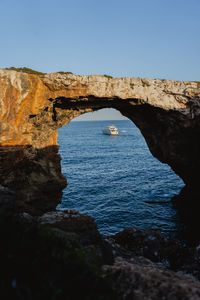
(110,178)
(166,131)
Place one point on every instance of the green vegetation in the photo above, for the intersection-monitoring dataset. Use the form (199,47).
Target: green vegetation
(26,70)
(108,76)
(62,72)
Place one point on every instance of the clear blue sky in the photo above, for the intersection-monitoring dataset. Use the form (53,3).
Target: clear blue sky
(149,38)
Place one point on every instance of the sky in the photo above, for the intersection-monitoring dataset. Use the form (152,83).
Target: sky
(102,114)
(149,38)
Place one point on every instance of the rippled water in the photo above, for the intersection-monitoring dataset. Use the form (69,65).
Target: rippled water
(111,177)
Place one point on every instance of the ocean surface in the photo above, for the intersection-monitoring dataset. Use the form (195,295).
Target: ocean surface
(111,177)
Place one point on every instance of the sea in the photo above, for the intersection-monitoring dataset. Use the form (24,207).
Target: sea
(115,179)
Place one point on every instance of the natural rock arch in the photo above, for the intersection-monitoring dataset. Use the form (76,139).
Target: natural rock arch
(33,107)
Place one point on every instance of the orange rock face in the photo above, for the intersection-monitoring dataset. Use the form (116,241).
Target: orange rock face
(21,95)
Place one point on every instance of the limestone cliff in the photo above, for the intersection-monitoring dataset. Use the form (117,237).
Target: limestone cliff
(33,107)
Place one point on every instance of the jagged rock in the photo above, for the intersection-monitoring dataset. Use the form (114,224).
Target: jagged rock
(41,262)
(65,252)
(81,228)
(148,281)
(153,245)
(80,224)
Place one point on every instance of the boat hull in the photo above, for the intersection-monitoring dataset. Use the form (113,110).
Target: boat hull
(109,131)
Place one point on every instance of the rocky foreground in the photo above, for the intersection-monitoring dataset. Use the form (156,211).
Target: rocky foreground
(61,255)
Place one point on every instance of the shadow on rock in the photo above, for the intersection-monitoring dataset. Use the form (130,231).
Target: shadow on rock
(31,201)
(43,262)
(33,176)
(187,204)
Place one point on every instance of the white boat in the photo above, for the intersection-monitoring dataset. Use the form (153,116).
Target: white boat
(110,130)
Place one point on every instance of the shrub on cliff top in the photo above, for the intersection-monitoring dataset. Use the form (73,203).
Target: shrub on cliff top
(62,72)
(26,70)
(108,76)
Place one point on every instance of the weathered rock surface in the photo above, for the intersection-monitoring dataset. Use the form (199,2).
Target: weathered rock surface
(145,281)
(154,246)
(149,265)
(72,221)
(65,252)
(39,261)
(33,107)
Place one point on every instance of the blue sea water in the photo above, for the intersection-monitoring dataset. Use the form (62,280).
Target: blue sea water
(111,177)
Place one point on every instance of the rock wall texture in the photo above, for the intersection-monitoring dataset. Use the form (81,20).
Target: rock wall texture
(33,107)
(65,252)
